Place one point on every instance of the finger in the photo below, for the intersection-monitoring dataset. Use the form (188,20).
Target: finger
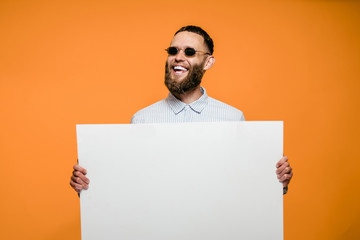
(286,170)
(81,176)
(77,167)
(80,182)
(282,167)
(285,177)
(281,161)
(77,187)
(287,181)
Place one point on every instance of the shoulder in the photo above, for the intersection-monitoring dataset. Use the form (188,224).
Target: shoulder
(229,112)
(154,109)
(216,103)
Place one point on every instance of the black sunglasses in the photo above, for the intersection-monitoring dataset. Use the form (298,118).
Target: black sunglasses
(189,52)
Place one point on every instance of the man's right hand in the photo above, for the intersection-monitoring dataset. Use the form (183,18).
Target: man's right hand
(78,180)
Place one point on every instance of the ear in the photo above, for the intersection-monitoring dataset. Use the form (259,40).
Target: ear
(209,62)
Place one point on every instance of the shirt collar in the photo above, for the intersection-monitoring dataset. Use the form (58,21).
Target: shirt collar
(177,105)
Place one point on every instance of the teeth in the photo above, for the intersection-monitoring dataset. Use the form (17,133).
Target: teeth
(180,68)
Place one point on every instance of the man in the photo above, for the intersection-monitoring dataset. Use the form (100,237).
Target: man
(189,56)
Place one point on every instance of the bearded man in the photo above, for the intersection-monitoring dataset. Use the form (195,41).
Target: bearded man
(189,56)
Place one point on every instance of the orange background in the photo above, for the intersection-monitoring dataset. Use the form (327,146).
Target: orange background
(68,62)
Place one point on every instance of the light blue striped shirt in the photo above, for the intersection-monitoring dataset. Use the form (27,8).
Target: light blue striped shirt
(172,110)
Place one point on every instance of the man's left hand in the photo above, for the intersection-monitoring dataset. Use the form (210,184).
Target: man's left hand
(284,171)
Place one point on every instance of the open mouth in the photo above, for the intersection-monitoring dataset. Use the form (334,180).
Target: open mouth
(179,69)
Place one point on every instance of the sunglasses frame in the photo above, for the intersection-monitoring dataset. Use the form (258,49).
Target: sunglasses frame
(184,50)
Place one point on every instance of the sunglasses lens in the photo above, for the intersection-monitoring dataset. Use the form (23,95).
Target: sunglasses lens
(190,52)
(172,50)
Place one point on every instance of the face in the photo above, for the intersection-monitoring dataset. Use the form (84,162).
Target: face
(184,73)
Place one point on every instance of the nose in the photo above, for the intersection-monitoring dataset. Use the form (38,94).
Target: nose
(180,56)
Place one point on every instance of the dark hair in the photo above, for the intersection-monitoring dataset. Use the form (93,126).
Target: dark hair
(198,30)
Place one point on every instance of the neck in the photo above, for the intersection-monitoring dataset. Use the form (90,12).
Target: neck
(190,96)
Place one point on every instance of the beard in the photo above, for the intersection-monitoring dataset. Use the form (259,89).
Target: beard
(191,81)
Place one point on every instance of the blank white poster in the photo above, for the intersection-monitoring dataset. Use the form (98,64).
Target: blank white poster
(188,181)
